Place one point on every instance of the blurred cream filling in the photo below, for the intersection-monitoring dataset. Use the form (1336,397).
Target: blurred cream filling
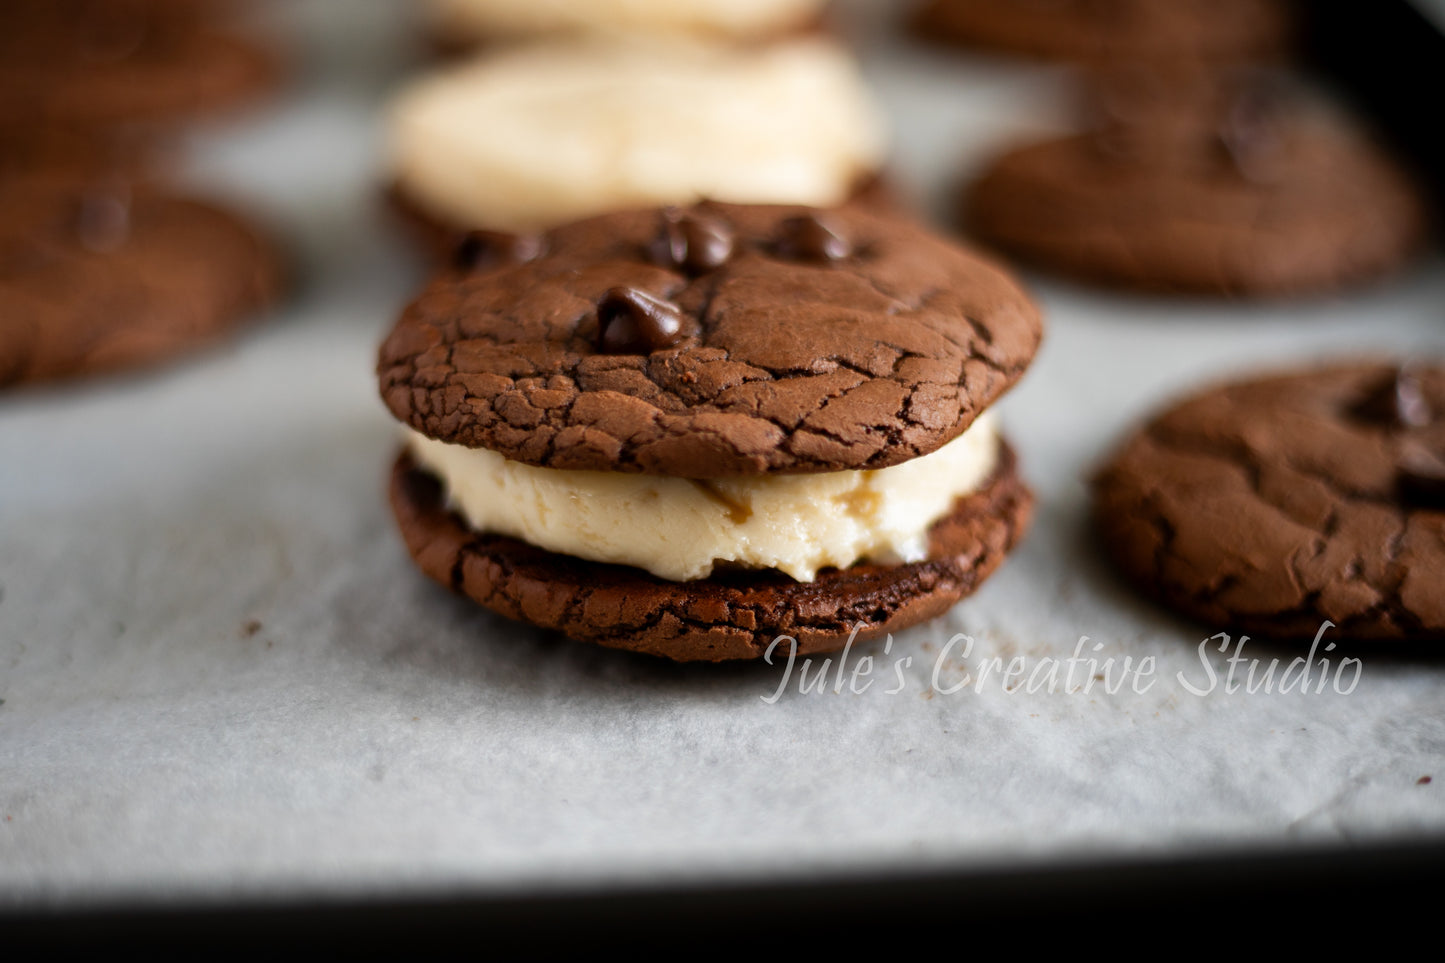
(490,19)
(535,137)
(679,529)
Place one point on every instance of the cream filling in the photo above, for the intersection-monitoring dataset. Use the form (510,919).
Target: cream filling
(679,529)
(491,19)
(532,138)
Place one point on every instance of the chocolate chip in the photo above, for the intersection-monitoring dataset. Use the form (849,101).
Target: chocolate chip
(1395,402)
(1421,477)
(111,36)
(1249,137)
(812,237)
(630,321)
(1115,143)
(483,250)
(102,217)
(692,243)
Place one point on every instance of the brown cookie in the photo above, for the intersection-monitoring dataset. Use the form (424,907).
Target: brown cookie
(814,341)
(735,615)
(117,277)
(76,155)
(1098,30)
(88,62)
(1272,505)
(1258,204)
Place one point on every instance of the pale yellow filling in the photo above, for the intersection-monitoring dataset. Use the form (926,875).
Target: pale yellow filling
(679,529)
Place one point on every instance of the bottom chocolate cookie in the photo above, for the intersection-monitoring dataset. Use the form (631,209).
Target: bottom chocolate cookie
(1274,505)
(111,277)
(732,615)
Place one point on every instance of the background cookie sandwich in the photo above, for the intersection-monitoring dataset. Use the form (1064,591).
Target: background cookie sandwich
(461,24)
(691,431)
(543,135)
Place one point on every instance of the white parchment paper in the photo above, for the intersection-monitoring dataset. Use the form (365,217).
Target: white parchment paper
(223,677)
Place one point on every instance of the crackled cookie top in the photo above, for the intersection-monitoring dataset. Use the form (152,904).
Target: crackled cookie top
(711,341)
(1275,504)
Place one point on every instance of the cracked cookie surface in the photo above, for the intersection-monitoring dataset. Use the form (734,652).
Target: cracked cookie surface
(733,615)
(1274,504)
(788,359)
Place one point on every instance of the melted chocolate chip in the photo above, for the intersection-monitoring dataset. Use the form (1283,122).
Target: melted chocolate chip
(1115,143)
(113,36)
(1249,136)
(630,321)
(692,243)
(102,218)
(1421,478)
(1395,402)
(812,237)
(483,250)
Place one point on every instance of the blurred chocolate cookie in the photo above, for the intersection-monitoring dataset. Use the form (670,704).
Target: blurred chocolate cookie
(113,277)
(1246,199)
(82,62)
(1112,30)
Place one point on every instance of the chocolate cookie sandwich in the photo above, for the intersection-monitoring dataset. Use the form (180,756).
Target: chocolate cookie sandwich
(689,432)
(113,275)
(1114,30)
(595,125)
(463,24)
(1255,201)
(1276,504)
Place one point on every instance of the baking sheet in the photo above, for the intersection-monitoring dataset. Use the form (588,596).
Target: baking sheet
(222,677)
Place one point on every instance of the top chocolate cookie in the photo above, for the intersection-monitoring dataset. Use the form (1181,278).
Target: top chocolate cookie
(710,341)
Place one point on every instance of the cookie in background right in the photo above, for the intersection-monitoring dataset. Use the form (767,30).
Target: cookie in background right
(1112,30)
(1279,503)
(1204,181)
